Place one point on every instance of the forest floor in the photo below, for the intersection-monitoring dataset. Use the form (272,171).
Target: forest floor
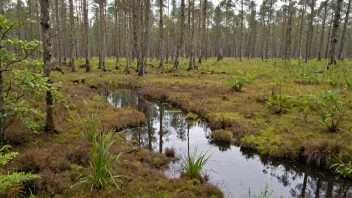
(276,113)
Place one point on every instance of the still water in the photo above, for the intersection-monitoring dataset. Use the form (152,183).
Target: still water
(238,173)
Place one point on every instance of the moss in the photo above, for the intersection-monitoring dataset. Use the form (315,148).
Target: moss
(191,116)
(222,136)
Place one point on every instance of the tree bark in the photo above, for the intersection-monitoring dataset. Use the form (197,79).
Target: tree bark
(288,31)
(73,38)
(343,38)
(241,40)
(58,33)
(161,36)
(116,37)
(45,23)
(181,35)
(102,35)
(203,47)
(310,32)
(86,35)
(335,30)
(321,45)
(191,58)
(146,38)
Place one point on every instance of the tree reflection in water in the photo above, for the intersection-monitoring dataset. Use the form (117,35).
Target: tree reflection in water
(167,127)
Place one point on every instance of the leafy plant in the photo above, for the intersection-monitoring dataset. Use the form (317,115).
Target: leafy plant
(306,104)
(238,82)
(101,164)
(343,169)
(90,123)
(18,84)
(192,165)
(10,179)
(331,110)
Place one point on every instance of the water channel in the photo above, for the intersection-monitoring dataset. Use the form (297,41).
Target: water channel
(238,173)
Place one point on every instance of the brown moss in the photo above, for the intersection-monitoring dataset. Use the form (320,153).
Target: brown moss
(322,153)
(222,136)
(170,152)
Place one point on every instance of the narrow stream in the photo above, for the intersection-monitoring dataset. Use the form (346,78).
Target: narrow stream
(237,173)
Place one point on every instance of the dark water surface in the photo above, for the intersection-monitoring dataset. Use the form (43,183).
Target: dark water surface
(238,173)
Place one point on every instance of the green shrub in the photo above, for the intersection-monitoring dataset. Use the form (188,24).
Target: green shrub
(192,165)
(222,136)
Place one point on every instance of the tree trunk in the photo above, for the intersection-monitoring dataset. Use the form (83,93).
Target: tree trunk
(63,35)
(327,51)
(161,35)
(203,44)
(335,30)
(58,42)
(2,111)
(146,38)
(191,58)
(241,40)
(102,35)
(321,45)
(127,44)
(343,38)
(288,31)
(73,38)
(310,32)
(45,23)
(182,33)
(116,37)
(86,35)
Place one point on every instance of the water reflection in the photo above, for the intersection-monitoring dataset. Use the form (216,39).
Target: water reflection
(239,173)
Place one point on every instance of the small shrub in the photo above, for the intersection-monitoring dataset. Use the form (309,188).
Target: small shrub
(222,136)
(170,152)
(193,164)
(237,84)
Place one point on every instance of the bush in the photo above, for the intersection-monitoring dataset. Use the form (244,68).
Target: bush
(222,136)
(192,165)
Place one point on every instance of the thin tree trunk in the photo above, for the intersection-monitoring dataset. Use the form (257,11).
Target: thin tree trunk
(127,44)
(327,51)
(58,33)
(63,35)
(168,33)
(161,35)
(335,30)
(241,41)
(191,59)
(203,43)
(86,35)
(310,32)
(321,45)
(288,31)
(146,38)
(102,35)
(73,38)
(116,37)
(182,33)
(45,23)
(343,38)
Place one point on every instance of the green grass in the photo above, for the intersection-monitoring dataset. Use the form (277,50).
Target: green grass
(193,164)
(101,164)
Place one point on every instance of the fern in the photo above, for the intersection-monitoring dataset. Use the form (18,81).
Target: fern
(15,179)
